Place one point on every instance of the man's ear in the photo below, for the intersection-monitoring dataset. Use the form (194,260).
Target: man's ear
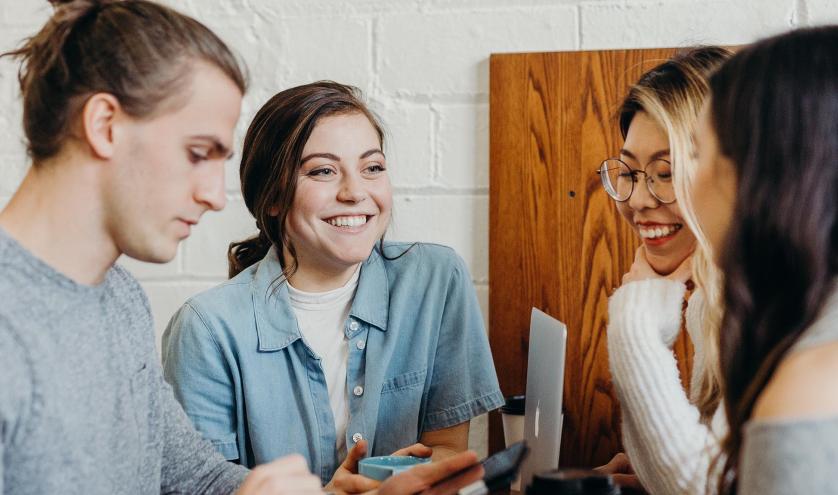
(98,118)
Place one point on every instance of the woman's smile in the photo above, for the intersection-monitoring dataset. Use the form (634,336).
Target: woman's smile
(348,222)
(658,234)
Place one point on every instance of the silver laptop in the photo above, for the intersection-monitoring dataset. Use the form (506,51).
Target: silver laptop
(545,385)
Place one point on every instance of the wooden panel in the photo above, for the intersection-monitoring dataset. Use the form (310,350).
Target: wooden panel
(556,240)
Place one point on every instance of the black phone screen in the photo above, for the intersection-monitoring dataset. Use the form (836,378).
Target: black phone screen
(501,468)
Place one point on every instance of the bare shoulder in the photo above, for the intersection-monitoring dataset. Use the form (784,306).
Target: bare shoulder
(804,386)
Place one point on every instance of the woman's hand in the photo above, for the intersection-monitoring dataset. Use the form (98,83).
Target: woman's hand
(285,475)
(443,477)
(416,450)
(642,270)
(347,480)
(623,474)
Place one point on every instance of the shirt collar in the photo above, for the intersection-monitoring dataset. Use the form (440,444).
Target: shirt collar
(276,322)
(372,299)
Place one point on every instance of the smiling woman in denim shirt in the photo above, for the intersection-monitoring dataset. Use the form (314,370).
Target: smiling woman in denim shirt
(327,340)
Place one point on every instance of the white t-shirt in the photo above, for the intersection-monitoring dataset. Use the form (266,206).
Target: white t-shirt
(322,317)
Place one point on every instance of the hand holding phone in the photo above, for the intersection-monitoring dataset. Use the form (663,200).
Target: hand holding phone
(443,477)
(461,474)
(500,469)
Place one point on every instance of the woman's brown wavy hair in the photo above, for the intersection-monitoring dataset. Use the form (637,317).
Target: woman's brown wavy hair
(774,109)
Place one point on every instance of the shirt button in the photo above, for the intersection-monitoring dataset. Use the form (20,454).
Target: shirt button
(357,437)
(360,345)
(359,391)
(353,325)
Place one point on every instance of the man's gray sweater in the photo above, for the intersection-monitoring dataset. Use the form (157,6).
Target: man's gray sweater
(83,404)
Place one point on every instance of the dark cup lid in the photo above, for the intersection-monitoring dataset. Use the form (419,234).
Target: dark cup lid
(514,405)
(573,482)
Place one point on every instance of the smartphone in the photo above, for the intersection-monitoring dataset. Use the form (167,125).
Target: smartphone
(500,469)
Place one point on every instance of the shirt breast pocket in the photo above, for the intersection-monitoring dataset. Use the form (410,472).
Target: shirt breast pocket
(403,382)
(398,411)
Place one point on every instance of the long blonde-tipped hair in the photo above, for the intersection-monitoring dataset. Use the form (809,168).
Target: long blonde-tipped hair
(672,94)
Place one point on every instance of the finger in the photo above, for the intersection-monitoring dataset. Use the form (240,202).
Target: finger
(620,463)
(640,254)
(453,485)
(640,267)
(628,480)
(437,471)
(355,483)
(417,449)
(615,465)
(358,451)
(641,260)
(423,477)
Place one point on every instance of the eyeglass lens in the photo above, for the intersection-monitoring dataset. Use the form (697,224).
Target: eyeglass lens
(619,179)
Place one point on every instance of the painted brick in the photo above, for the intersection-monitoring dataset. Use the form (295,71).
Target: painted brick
(334,8)
(153,271)
(460,222)
(166,298)
(444,53)
(821,12)
(257,42)
(13,159)
(469,6)
(24,15)
(13,167)
(336,49)
(205,251)
(208,9)
(407,129)
(680,23)
(231,170)
(463,146)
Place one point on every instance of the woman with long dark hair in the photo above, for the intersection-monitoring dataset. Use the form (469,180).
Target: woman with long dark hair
(363,345)
(766,194)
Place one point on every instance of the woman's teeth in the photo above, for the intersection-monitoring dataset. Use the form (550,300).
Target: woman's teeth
(659,231)
(354,221)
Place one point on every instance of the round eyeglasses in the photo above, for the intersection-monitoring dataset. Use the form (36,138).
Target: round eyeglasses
(618,179)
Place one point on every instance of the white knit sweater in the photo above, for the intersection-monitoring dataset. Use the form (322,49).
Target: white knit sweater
(669,447)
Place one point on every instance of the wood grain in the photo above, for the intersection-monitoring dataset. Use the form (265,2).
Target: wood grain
(556,240)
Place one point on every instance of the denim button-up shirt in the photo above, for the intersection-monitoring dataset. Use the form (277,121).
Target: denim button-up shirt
(419,360)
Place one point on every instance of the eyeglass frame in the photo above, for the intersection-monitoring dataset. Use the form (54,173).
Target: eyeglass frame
(634,173)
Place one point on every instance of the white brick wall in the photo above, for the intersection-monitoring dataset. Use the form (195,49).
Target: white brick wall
(424,66)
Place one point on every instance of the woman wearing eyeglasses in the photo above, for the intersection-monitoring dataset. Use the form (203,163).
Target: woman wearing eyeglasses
(670,434)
